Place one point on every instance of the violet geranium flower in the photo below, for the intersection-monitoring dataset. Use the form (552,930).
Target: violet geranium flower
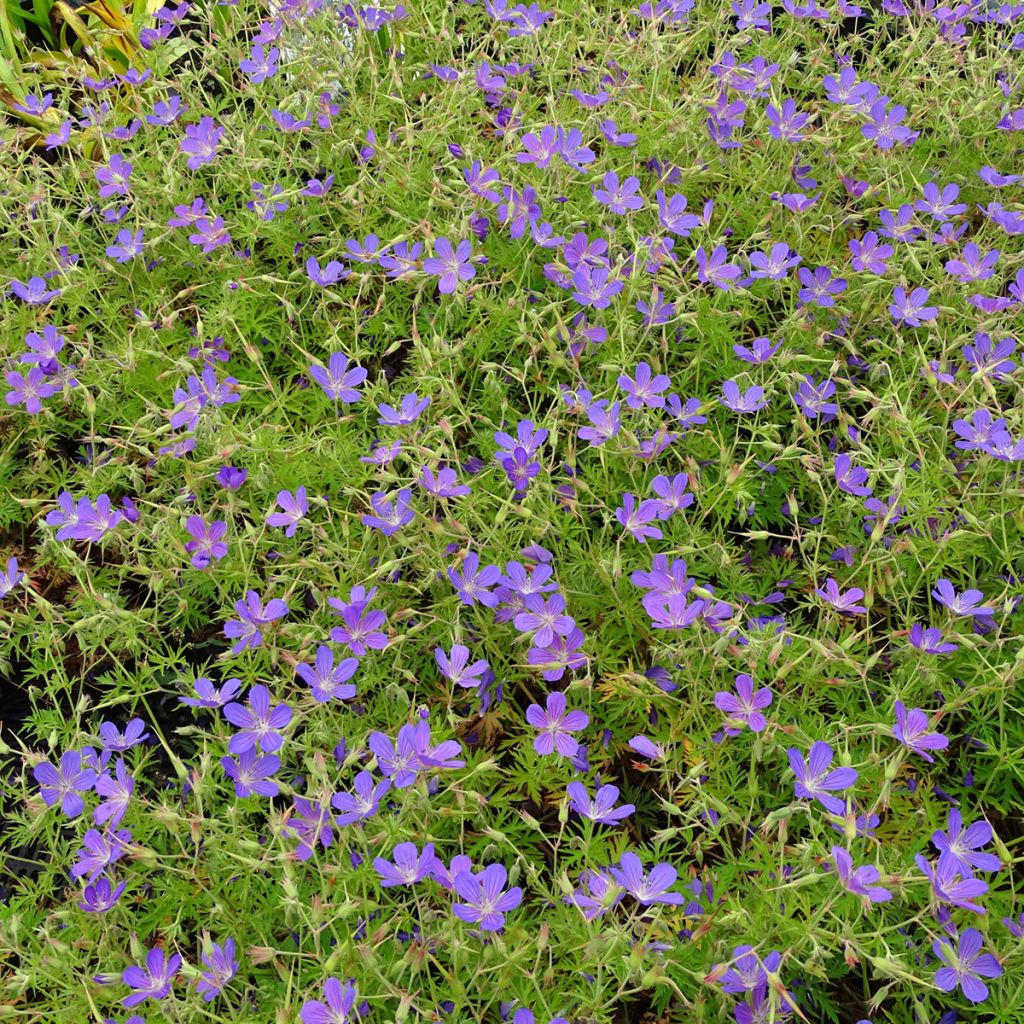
(486,901)
(816,779)
(259,723)
(152,981)
(965,966)
(601,807)
(555,723)
(746,705)
(65,783)
(860,880)
(913,730)
(252,614)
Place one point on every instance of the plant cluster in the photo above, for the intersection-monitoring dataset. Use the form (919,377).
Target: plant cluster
(514,514)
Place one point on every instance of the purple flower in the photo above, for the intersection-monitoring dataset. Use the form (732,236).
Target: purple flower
(115,740)
(601,807)
(409,866)
(337,1006)
(645,388)
(749,971)
(850,478)
(408,411)
(973,265)
(412,753)
(900,224)
(456,667)
(10,577)
(293,508)
(990,359)
(859,880)
(389,516)
(251,616)
(949,887)
(485,899)
(210,696)
(615,137)
(960,604)
(331,273)
(819,286)
(671,494)
(310,823)
(260,65)
(207,542)
(30,389)
(451,265)
(650,888)
(911,309)
(200,142)
(713,268)
(748,401)
(811,399)
(672,214)
(152,981)
(541,148)
(869,254)
(845,90)
(519,468)
(99,897)
(518,209)
(555,724)
(746,706)
(221,966)
(35,293)
(166,112)
(210,234)
(526,21)
(129,245)
(479,181)
(99,851)
(362,628)
(647,748)
(594,286)
(44,349)
(266,204)
(966,966)
(816,779)
(959,846)
(472,582)
(363,803)
(912,729)
(252,772)
(929,640)
(443,484)
(65,783)
(544,618)
(562,655)
(885,127)
(774,264)
(846,603)
(231,477)
(114,177)
(672,611)
(760,351)
(940,203)
(634,518)
(327,680)
(787,123)
(605,423)
(260,724)
(618,198)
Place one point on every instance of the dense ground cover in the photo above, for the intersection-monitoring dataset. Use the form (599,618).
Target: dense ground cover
(515,513)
